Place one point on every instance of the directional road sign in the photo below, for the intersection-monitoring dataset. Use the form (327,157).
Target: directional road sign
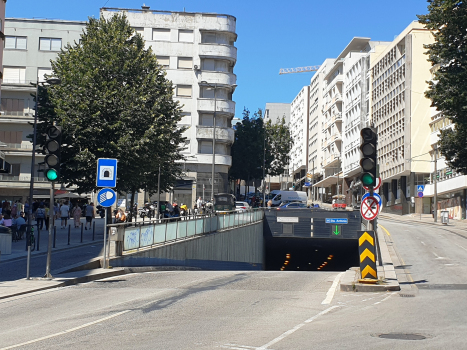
(366,251)
(106,197)
(378,185)
(106,172)
(336,230)
(420,188)
(369,208)
(378,197)
(339,221)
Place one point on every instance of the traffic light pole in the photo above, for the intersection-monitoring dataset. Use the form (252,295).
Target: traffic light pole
(51,226)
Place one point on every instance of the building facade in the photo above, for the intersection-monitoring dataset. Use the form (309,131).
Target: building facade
(275,112)
(401,114)
(30,44)
(198,53)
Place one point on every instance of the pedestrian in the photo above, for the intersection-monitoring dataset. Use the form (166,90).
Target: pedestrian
(76,215)
(270,203)
(57,210)
(90,214)
(47,216)
(64,214)
(35,205)
(40,216)
(120,217)
(14,209)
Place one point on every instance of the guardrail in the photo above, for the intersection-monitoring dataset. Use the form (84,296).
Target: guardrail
(145,234)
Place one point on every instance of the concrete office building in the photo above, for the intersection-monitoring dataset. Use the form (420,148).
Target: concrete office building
(3,166)
(299,133)
(401,114)
(197,50)
(275,112)
(30,44)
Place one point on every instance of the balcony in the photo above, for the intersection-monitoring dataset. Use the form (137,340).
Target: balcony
(223,106)
(218,51)
(220,159)
(332,160)
(337,136)
(337,117)
(224,135)
(222,78)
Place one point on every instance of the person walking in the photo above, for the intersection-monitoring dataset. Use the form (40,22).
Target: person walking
(40,216)
(77,215)
(120,217)
(64,214)
(90,214)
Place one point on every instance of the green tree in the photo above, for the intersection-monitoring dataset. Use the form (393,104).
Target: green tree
(278,146)
(114,101)
(447,19)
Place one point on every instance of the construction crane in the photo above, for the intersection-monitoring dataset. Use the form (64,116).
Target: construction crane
(298,70)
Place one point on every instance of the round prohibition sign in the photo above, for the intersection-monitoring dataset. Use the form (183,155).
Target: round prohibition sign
(369,208)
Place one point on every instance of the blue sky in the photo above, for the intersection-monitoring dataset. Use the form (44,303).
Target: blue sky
(271,34)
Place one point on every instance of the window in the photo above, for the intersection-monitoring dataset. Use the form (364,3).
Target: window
(184,90)
(185,36)
(140,31)
(185,63)
(161,34)
(207,119)
(205,147)
(14,75)
(209,38)
(164,61)
(15,42)
(50,44)
(41,72)
(13,106)
(11,136)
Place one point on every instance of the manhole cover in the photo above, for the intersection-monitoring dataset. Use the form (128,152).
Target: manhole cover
(402,336)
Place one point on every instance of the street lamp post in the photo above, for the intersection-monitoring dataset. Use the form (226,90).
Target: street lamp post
(213,137)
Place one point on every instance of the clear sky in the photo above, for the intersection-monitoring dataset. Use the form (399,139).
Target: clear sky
(271,34)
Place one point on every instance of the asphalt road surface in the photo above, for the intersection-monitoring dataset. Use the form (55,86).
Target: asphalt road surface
(257,310)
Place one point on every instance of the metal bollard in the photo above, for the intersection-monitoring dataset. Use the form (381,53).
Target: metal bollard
(55,235)
(93,229)
(81,232)
(38,237)
(69,231)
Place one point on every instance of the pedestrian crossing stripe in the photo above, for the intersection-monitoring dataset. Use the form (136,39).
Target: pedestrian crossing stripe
(367,254)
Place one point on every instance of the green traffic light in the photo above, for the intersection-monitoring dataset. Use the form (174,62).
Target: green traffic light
(367,179)
(51,174)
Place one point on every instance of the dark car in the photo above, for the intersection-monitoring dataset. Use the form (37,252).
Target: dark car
(292,205)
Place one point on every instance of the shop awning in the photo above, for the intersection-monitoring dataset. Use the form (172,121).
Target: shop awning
(329,181)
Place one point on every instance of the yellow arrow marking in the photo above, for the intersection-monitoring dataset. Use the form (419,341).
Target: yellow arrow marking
(368,270)
(367,254)
(365,237)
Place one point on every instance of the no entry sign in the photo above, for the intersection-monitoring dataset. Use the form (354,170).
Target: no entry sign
(369,208)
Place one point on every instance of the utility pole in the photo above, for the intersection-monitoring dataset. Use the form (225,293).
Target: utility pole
(435,204)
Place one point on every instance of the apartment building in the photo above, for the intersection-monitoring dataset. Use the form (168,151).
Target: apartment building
(198,53)
(3,166)
(401,114)
(299,132)
(275,112)
(30,44)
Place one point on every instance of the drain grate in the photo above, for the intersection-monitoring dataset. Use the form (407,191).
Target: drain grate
(406,295)
(402,336)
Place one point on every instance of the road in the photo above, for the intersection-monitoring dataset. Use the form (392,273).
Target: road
(257,310)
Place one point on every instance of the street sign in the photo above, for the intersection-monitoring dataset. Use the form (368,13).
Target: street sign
(378,197)
(307,184)
(106,197)
(420,194)
(337,221)
(106,172)
(369,208)
(336,230)
(366,251)
(378,185)
(420,188)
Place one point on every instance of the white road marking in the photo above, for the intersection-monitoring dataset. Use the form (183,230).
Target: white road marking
(461,247)
(423,242)
(390,295)
(332,290)
(437,256)
(296,328)
(67,331)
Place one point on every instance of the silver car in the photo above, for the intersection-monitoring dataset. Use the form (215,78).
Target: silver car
(241,206)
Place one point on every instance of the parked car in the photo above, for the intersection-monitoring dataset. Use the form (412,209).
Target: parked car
(241,206)
(292,205)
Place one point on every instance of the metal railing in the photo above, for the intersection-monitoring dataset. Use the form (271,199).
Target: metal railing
(145,234)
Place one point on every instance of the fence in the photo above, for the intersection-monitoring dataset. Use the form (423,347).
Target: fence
(140,235)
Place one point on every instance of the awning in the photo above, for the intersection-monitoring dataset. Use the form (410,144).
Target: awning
(329,181)
(69,195)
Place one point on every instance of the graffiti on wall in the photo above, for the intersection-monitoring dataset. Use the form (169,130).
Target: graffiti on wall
(453,206)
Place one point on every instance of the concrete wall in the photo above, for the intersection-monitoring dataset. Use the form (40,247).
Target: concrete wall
(237,249)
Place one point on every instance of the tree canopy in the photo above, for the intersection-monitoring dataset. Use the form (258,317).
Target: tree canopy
(114,101)
(447,19)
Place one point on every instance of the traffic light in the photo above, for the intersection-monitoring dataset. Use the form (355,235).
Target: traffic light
(368,159)
(52,150)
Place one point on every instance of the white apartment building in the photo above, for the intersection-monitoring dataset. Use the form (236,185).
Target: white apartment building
(197,50)
(275,112)
(299,132)
(401,114)
(30,44)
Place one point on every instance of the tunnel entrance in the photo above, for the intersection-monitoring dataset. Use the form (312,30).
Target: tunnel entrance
(301,254)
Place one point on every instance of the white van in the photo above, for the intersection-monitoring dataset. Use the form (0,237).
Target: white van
(289,196)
